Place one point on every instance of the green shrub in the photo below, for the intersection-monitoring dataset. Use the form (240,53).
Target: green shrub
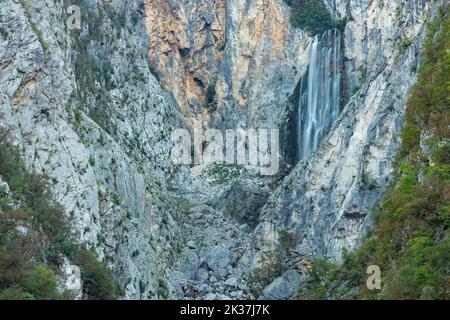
(406,42)
(273,266)
(410,137)
(98,280)
(313,16)
(211,93)
(27,260)
(15,294)
(41,283)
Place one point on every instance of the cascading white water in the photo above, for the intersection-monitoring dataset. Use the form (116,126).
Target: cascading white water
(319,102)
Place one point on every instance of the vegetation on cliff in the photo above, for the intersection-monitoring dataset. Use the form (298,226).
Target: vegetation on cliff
(35,235)
(312,15)
(411,239)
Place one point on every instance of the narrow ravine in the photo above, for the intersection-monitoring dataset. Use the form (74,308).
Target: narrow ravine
(218,254)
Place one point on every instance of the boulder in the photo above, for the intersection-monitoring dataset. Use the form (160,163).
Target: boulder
(218,261)
(191,265)
(283,287)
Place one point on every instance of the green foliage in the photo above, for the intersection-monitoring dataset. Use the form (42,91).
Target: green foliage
(406,42)
(28,260)
(223,174)
(92,161)
(323,275)
(41,283)
(410,137)
(163,291)
(98,280)
(398,12)
(211,93)
(15,294)
(185,206)
(3,32)
(411,239)
(78,116)
(273,266)
(313,16)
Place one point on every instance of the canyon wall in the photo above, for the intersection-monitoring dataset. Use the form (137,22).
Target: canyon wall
(85,110)
(326,201)
(93,109)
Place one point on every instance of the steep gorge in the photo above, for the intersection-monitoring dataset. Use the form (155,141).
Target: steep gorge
(94,109)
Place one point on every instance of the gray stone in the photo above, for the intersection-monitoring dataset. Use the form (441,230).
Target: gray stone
(191,265)
(191,244)
(245,228)
(203,274)
(218,261)
(283,287)
(232,282)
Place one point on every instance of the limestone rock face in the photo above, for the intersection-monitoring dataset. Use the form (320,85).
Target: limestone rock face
(283,287)
(94,120)
(186,42)
(94,109)
(375,31)
(325,202)
(242,56)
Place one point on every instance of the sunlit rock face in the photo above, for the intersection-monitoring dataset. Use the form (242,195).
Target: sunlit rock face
(228,63)
(186,42)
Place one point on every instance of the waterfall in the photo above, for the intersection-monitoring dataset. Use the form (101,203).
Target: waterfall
(319,99)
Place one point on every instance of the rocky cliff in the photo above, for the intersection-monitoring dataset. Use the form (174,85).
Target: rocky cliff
(85,110)
(230,64)
(94,108)
(325,202)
